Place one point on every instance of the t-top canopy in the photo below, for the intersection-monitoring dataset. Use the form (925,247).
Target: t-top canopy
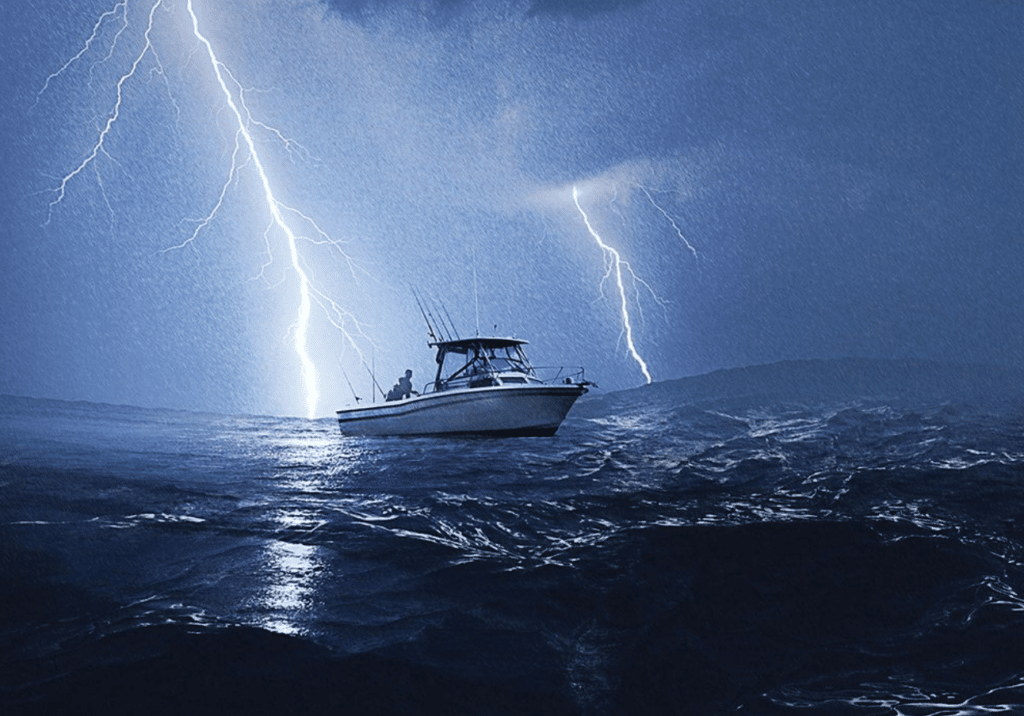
(464,345)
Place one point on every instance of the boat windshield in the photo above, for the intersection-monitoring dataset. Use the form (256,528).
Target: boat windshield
(479,360)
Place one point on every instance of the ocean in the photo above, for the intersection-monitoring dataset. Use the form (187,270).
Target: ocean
(841,537)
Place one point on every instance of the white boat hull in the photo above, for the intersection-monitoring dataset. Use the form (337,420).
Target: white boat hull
(505,410)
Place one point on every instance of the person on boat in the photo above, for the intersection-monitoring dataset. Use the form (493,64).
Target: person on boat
(405,386)
(402,389)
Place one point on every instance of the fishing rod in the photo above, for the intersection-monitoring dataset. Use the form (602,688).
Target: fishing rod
(374,379)
(350,385)
(440,324)
(450,321)
(430,328)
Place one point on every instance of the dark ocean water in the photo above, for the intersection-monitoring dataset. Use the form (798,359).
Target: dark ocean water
(841,537)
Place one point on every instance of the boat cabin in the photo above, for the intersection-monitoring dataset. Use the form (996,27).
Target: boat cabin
(481,362)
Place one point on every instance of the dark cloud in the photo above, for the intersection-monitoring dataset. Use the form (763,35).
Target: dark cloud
(578,8)
(362,11)
(441,11)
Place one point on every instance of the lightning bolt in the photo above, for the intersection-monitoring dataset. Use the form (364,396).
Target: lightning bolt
(244,154)
(309,376)
(615,264)
(98,147)
(672,221)
(121,6)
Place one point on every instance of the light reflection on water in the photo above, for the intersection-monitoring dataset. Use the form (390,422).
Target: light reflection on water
(302,462)
(287,599)
(316,457)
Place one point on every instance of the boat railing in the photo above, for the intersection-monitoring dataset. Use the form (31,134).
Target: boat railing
(559,374)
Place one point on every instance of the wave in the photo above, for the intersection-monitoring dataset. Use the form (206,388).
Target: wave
(803,536)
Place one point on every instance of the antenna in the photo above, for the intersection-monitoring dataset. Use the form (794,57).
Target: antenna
(476,293)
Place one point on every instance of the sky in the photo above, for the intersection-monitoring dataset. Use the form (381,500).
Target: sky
(773,180)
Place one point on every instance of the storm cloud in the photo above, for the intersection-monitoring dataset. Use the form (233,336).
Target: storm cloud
(443,10)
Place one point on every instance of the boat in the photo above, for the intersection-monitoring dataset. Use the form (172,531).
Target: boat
(485,386)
